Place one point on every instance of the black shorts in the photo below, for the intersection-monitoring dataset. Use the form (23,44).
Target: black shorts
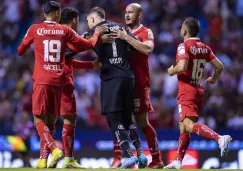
(116,95)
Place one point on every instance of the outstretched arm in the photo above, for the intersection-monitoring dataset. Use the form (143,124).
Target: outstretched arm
(79,44)
(145,47)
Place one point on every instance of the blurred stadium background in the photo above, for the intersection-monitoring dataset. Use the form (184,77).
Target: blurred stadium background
(221,28)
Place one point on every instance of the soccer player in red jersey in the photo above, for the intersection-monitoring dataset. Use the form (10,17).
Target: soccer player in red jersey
(50,40)
(192,56)
(139,62)
(70,18)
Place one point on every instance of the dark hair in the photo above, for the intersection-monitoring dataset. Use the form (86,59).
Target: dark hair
(193,26)
(51,6)
(68,14)
(99,11)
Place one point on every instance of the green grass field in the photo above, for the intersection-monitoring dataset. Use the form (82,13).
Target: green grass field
(30,169)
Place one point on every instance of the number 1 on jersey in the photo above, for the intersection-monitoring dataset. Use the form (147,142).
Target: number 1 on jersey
(52,46)
(114,49)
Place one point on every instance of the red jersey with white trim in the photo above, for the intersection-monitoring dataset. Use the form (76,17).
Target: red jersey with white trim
(50,41)
(139,61)
(197,54)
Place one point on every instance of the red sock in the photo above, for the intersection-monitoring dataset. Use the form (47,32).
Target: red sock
(44,150)
(151,138)
(117,150)
(204,131)
(68,134)
(184,142)
(45,134)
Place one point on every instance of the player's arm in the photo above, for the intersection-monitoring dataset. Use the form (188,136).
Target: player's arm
(219,67)
(145,47)
(180,67)
(27,41)
(86,64)
(182,58)
(79,44)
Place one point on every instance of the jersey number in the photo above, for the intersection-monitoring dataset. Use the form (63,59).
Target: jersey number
(114,49)
(198,67)
(52,46)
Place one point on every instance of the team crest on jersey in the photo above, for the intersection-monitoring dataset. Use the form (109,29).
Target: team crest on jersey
(181,49)
(150,34)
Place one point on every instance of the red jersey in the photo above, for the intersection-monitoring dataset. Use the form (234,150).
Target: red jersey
(50,41)
(197,54)
(139,61)
(71,63)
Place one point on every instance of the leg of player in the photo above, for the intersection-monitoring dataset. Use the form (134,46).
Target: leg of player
(44,149)
(68,135)
(184,141)
(117,155)
(115,122)
(45,134)
(206,132)
(134,136)
(151,137)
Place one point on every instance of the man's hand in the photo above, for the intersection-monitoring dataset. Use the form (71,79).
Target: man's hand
(210,80)
(101,29)
(119,34)
(170,70)
(97,65)
(107,38)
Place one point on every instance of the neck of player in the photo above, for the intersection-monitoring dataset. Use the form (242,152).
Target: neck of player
(51,19)
(134,26)
(187,37)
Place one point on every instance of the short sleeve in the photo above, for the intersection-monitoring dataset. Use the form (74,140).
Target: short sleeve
(211,55)
(182,52)
(148,35)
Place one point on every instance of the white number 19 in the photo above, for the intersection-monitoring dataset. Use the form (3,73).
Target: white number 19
(49,47)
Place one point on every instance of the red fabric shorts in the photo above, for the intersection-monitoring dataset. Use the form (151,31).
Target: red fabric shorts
(189,103)
(46,99)
(68,101)
(142,100)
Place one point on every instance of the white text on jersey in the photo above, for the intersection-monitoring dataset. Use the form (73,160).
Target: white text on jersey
(42,31)
(52,67)
(194,50)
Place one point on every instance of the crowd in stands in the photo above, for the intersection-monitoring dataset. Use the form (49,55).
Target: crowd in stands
(221,28)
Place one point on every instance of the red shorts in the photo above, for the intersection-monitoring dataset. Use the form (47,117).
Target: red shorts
(68,101)
(142,101)
(189,103)
(46,99)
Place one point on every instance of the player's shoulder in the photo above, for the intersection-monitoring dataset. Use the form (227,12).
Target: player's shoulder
(145,31)
(181,49)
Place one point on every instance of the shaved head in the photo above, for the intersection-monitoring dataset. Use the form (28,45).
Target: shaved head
(133,14)
(137,6)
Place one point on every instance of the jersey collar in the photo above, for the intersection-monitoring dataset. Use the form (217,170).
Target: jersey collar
(193,38)
(49,22)
(140,26)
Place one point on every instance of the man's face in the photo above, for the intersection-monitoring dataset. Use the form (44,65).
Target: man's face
(183,30)
(90,20)
(75,24)
(131,15)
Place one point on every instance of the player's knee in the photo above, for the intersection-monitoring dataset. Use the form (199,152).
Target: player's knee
(39,118)
(188,124)
(69,120)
